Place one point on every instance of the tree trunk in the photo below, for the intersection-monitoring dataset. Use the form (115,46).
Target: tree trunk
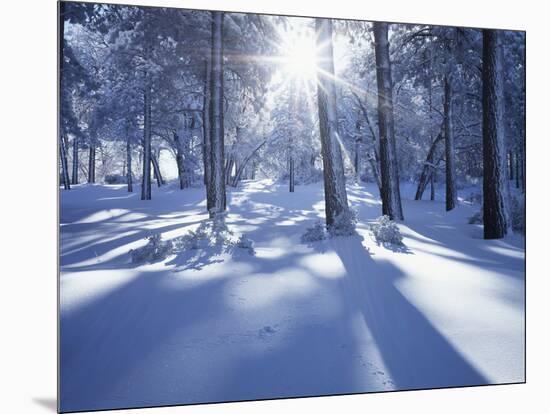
(245,163)
(450,173)
(91,163)
(356,160)
(217,182)
(207,147)
(291,174)
(228,169)
(62,150)
(146,176)
(495,213)
(74,178)
(64,171)
(516,158)
(432,185)
(180,162)
(391,196)
(427,169)
(156,170)
(511,164)
(522,168)
(129,165)
(338,217)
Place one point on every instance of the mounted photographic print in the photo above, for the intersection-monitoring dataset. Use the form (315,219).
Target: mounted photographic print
(260,206)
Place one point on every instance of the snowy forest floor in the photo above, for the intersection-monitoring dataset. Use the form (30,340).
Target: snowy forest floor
(338,316)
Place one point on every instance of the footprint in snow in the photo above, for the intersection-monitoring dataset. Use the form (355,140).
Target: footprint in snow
(266,331)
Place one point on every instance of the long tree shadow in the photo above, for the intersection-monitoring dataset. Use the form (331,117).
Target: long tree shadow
(106,339)
(452,239)
(414,351)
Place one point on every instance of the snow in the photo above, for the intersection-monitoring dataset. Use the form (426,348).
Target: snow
(341,315)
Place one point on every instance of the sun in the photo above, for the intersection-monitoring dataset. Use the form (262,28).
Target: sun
(300,57)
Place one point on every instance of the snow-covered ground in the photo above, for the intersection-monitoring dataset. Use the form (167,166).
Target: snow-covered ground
(339,316)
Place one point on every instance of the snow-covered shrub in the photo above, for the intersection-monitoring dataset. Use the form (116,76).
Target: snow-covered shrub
(315,233)
(344,224)
(213,233)
(385,231)
(246,244)
(115,179)
(155,250)
(476,218)
(517,213)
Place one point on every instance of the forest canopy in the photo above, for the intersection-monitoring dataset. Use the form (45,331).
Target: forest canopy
(214,98)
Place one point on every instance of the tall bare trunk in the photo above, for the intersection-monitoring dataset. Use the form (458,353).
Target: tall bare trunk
(428,170)
(91,162)
(450,173)
(338,217)
(156,170)
(129,165)
(391,196)
(207,147)
(495,210)
(217,182)
(74,178)
(62,149)
(146,176)
(516,159)
(291,174)
(64,171)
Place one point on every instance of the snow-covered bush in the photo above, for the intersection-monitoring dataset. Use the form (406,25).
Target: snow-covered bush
(385,231)
(213,233)
(344,224)
(517,213)
(246,244)
(155,250)
(476,218)
(315,233)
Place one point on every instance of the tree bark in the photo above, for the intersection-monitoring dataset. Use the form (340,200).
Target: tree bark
(450,172)
(291,174)
(516,159)
(522,168)
(511,164)
(62,149)
(146,176)
(64,171)
(156,170)
(391,196)
(91,162)
(336,201)
(495,210)
(129,165)
(207,147)
(245,163)
(356,160)
(180,162)
(74,178)
(217,182)
(427,169)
